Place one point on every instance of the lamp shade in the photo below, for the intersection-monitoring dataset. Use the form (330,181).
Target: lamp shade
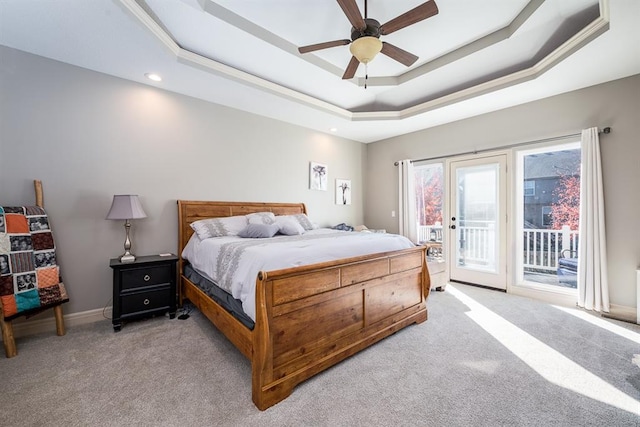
(126,206)
(365,48)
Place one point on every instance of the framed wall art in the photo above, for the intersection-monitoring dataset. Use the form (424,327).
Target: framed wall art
(318,176)
(343,191)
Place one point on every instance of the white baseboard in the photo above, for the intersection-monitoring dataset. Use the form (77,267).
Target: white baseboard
(622,312)
(23,327)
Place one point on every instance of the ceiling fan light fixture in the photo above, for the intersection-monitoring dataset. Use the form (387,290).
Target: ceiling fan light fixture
(365,48)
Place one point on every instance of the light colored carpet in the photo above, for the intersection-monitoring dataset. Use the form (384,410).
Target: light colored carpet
(448,371)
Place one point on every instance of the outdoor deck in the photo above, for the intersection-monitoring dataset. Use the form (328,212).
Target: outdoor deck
(541,249)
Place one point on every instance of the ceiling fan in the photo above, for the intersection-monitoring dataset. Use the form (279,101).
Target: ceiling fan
(365,35)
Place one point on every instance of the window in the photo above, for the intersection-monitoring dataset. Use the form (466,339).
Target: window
(549,210)
(428,184)
(547,218)
(529,188)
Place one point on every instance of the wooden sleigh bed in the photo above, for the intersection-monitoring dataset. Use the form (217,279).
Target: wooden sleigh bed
(311,317)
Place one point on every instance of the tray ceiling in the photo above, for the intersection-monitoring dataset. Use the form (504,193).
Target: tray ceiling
(474,57)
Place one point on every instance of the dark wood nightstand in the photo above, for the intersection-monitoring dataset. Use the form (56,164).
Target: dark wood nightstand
(144,287)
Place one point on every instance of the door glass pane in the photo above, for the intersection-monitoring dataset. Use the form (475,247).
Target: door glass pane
(429,180)
(551,215)
(476,217)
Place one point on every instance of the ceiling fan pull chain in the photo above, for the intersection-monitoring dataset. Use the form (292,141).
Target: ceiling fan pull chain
(366,74)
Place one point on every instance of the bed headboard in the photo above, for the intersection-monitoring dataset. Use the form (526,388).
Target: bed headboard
(190,211)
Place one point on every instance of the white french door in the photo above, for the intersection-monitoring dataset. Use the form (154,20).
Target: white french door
(478,221)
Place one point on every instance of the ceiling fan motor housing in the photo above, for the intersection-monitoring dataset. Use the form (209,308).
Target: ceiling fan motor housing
(371,30)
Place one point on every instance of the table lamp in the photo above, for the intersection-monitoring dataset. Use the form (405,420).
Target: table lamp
(127,207)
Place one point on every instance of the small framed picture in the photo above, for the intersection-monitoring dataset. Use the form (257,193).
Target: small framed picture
(343,191)
(318,175)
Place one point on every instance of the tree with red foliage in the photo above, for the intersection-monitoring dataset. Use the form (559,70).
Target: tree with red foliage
(429,196)
(566,208)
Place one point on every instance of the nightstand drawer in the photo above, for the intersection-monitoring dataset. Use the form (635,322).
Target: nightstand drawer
(139,302)
(146,276)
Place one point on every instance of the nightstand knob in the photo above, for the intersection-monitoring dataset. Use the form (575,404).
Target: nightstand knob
(147,277)
(146,301)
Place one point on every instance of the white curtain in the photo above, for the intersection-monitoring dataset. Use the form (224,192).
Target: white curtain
(407,198)
(593,287)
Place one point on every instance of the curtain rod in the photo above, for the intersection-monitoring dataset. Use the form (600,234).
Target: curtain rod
(554,138)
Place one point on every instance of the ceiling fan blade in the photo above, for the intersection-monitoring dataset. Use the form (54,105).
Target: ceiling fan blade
(402,56)
(350,8)
(417,14)
(325,45)
(351,68)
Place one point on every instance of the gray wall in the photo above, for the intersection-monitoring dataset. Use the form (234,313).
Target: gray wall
(89,136)
(615,104)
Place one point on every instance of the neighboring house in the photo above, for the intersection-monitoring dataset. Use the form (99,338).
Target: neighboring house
(542,176)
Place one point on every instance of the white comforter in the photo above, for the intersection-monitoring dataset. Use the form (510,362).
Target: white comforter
(233,263)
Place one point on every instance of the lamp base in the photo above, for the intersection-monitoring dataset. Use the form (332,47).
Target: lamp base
(128,257)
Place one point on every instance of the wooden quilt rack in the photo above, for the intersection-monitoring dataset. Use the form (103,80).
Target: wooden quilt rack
(8,339)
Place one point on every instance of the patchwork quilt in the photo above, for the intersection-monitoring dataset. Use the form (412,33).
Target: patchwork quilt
(29,274)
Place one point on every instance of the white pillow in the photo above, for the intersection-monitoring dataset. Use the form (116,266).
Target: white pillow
(261,218)
(218,227)
(289,226)
(304,221)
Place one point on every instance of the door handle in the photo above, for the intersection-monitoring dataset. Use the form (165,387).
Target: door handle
(453,227)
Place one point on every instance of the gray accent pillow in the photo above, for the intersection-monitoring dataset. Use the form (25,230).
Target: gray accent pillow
(259,231)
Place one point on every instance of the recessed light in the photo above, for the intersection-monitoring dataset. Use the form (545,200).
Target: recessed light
(333,130)
(154,77)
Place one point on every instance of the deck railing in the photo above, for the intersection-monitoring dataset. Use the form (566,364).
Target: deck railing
(541,250)
(429,233)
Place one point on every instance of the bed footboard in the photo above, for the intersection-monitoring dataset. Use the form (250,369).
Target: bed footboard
(310,318)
